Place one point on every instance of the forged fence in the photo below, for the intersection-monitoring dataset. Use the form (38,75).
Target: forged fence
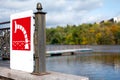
(4,38)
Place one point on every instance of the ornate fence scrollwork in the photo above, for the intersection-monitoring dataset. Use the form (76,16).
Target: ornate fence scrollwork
(4,40)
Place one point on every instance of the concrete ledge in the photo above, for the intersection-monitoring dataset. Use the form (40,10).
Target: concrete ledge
(20,75)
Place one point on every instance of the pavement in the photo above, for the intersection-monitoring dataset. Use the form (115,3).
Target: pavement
(4,78)
(10,74)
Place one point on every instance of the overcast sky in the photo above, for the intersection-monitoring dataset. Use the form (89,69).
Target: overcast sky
(63,12)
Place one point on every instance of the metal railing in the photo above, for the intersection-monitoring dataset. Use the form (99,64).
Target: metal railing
(5,39)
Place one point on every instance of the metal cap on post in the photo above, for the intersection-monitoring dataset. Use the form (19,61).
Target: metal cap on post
(40,41)
(39,7)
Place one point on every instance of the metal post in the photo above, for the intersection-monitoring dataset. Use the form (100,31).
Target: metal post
(40,41)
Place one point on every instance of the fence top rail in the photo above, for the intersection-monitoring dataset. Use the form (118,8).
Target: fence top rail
(6,22)
(4,28)
(5,25)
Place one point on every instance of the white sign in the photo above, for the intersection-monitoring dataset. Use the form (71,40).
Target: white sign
(21,41)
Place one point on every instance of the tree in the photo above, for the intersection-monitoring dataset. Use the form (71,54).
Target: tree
(102,34)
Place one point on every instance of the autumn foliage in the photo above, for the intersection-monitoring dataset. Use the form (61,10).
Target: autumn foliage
(107,33)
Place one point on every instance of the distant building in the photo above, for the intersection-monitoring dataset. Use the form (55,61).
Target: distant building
(104,21)
(96,23)
(115,19)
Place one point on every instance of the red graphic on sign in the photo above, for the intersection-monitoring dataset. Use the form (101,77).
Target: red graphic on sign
(21,32)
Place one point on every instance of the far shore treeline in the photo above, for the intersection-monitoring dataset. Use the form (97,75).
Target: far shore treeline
(106,33)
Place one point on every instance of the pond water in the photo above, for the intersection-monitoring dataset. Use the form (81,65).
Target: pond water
(96,66)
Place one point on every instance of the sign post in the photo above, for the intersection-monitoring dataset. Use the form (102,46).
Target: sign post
(21,41)
(39,42)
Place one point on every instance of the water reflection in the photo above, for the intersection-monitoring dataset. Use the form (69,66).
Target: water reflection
(97,66)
